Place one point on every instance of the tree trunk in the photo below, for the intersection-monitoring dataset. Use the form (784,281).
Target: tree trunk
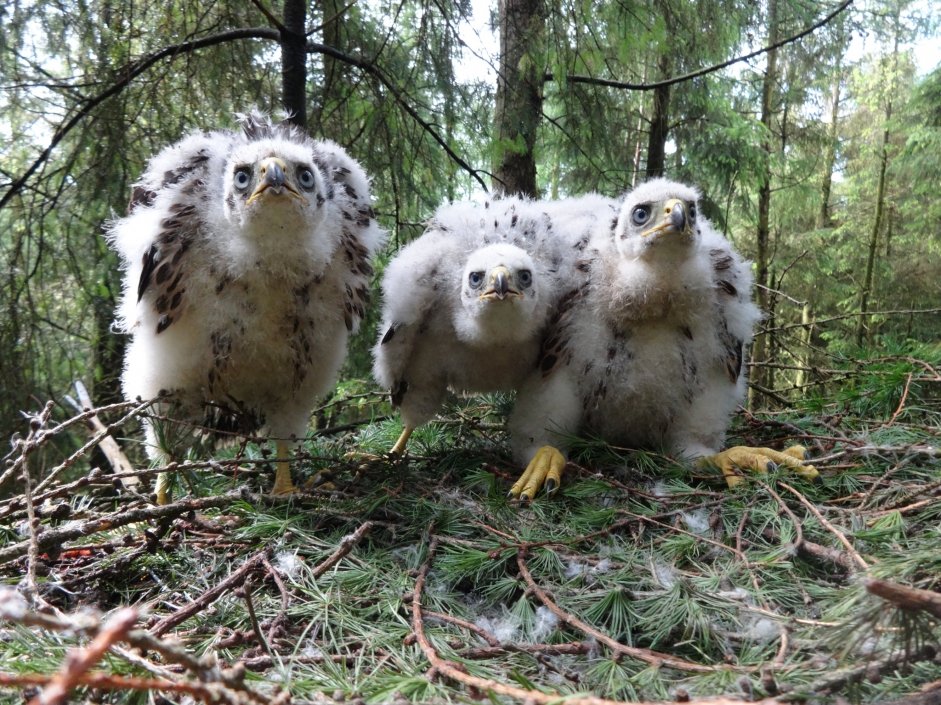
(518,108)
(866,292)
(823,217)
(294,61)
(660,109)
(761,375)
(659,123)
(824,220)
(862,328)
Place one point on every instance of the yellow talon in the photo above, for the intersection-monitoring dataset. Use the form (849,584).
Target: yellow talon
(162,488)
(283,485)
(544,470)
(759,460)
(399,447)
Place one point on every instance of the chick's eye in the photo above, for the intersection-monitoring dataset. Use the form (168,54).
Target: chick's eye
(692,211)
(475,279)
(640,215)
(242,178)
(305,177)
(526,278)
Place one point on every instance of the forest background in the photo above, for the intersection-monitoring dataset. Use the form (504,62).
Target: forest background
(814,131)
(819,157)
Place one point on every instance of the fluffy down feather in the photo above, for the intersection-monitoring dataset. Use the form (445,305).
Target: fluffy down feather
(247,265)
(648,352)
(443,327)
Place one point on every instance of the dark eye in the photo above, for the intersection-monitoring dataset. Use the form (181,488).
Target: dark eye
(692,211)
(305,177)
(640,215)
(475,279)
(243,177)
(526,278)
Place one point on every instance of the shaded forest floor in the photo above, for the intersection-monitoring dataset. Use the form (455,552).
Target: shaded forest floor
(418,581)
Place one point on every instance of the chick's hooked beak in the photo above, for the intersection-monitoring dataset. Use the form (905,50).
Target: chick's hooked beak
(499,285)
(675,220)
(273,179)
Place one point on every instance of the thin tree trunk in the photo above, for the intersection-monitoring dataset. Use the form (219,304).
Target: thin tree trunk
(803,355)
(823,218)
(761,375)
(294,61)
(862,328)
(518,108)
(659,123)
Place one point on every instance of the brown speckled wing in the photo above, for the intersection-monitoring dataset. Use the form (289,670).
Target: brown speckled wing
(555,350)
(162,284)
(727,285)
(358,216)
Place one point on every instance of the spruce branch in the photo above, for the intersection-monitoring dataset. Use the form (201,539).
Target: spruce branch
(646,655)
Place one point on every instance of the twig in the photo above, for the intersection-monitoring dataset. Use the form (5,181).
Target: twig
(211,595)
(830,527)
(285,600)
(80,661)
(112,451)
(346,545)
(56,537)
(451,619)
(839,679)
(898,409)
(710,69)
(95,440)
(646,655)
(906,597)
(246,592)
(569,648)
(28,446)
(105,681)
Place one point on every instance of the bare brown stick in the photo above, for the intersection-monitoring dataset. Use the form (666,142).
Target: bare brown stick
(646,655)
(207,598)
(346,545)
(830,527)
(456,672)
(112,451)
(906,597)
(28,446)
(95,440)
(79,662)
(572,647)
(205,692)
(832,682)
(56,537)
(451,619)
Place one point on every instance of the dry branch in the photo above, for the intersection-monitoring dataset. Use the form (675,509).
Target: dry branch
(906,597)
(55,538)
(456,672)
(112,451)
(214,685)
(654,658)
(207,598)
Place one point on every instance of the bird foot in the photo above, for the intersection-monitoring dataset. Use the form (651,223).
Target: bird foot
(759,460)
(283,485)
(544,470)
(162,488)
(322,480)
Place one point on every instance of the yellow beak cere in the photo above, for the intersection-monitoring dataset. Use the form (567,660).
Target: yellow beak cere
(274,179)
